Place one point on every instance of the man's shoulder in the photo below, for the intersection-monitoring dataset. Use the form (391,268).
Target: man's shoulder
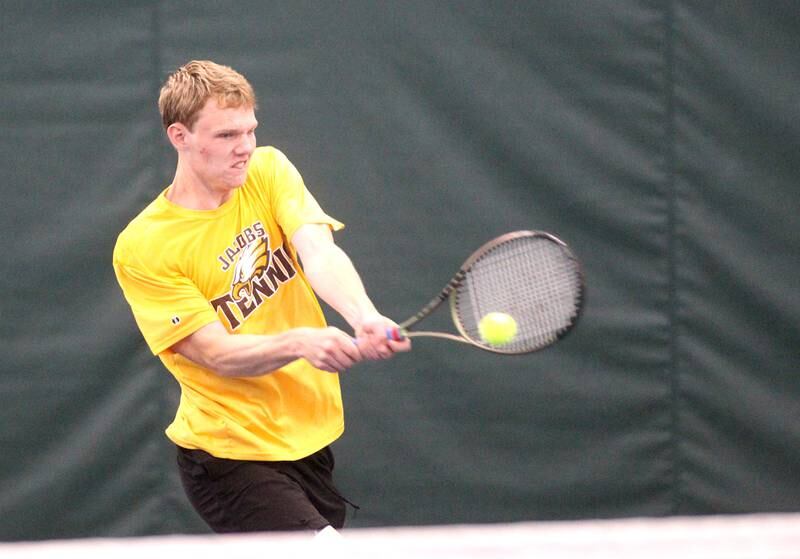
(268,157)
(266,163)
(140,233)
(149,216)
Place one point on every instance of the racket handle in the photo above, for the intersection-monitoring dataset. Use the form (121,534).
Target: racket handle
(395,334)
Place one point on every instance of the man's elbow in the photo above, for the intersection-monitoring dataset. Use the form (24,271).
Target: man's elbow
(207,356)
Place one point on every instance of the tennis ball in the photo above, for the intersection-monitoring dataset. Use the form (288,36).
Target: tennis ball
(497,328)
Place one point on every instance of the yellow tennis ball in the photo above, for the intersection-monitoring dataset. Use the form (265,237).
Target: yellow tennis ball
(497,328)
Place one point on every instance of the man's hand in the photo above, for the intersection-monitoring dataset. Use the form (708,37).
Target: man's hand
(329,349)
(373,341)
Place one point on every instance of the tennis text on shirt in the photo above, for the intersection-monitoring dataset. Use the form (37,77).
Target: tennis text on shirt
(258,273)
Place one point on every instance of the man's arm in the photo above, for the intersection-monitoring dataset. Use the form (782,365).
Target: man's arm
(247,355)
(334,278)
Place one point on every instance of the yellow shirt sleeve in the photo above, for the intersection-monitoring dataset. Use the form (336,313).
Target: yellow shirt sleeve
(166,307)
(293,205)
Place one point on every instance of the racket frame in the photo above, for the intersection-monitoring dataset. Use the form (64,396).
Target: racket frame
(458,279)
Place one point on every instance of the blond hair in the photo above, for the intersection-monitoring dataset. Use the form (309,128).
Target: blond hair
(187,89)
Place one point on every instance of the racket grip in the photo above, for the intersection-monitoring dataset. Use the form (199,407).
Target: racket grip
(395,334)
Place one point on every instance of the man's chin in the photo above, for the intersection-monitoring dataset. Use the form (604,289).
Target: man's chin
(237,180)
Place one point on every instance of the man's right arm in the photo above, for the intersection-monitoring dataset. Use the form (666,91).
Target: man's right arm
(249,355)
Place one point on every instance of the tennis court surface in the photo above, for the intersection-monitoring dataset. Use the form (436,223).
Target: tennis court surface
(763,536)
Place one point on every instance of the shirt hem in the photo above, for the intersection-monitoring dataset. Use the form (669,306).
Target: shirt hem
(263,456)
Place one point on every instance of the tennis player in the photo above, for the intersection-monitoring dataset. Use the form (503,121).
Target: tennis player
(221,272)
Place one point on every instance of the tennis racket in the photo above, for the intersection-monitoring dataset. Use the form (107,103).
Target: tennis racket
(532,276)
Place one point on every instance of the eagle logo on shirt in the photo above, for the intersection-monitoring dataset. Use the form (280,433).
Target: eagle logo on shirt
(258,272)
(254,259)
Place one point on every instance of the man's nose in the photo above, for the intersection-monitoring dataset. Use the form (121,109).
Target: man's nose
(247,145)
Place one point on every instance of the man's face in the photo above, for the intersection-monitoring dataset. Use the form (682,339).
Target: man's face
(220,144)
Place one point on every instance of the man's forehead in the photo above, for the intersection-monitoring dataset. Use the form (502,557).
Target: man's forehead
(215,115)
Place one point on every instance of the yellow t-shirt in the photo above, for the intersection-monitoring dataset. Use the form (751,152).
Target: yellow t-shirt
(181,269)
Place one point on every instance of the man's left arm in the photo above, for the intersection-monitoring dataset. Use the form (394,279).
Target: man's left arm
(335,280)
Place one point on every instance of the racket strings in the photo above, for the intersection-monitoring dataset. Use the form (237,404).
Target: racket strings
(533,279)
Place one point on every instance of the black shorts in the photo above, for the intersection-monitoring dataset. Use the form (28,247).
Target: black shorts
(253,496)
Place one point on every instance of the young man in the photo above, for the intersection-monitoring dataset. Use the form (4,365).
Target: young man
(212,272)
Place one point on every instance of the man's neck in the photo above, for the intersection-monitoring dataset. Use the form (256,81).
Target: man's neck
(190,192)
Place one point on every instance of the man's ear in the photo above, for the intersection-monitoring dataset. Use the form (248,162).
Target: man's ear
(177,132)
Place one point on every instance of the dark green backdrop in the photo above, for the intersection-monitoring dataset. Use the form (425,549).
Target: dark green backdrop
(659,138)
